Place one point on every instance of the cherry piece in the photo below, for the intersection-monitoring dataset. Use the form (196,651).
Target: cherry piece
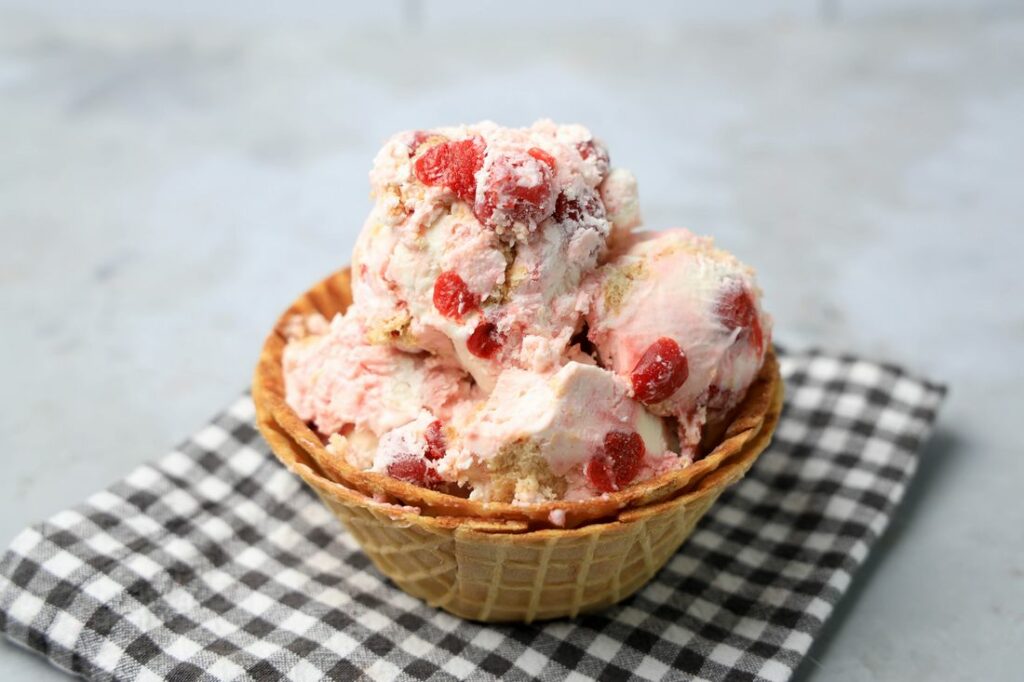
(452,297)
(541,155)
(626,450)
(736,310)
(600,475)
(413,470)
(452,164)
(659,373)
(615,465)
(575,210)
(436,442)
(485,340)
(505,201)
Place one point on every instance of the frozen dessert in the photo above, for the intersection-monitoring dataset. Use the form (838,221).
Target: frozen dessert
(681,321)
(519,404)
(343,384)
(479,239)
(512,337)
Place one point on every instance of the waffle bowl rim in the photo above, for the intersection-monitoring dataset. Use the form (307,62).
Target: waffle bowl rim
(332,295)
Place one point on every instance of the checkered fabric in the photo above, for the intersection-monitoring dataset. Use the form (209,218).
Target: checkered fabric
(216,563)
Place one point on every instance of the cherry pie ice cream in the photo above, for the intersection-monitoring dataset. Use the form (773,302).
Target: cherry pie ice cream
(512,337)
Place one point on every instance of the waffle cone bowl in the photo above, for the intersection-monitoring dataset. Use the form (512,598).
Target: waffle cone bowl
(503,562)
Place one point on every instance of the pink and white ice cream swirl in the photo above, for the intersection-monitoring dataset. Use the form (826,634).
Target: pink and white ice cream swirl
(682,322)
(511,338)
(479,240)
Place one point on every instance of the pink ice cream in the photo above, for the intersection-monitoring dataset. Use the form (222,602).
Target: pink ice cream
(342,384)
(503,312)
(538,432)
(673,303)
(480,238)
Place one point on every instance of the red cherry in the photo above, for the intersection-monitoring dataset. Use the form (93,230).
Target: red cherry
(626,450)
(600,475)
(615,465)
(436,442)
(452,297)
(567,209)
(541,155)
(452,164)
(575,210)
(505,196)
(412,469)
(659,373)
(485,340)
(736,310)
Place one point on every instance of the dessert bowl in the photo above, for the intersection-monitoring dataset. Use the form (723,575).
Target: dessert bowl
(493,561)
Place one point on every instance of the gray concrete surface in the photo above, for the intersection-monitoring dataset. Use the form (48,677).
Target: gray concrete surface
(169,181)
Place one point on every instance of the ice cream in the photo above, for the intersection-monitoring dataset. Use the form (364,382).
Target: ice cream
(682,322)
(479,239)
(511,337)
(342,384)
(537,434)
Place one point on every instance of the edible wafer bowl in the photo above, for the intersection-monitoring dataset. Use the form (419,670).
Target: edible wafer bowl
(332,295)
(505,562)
(494,570)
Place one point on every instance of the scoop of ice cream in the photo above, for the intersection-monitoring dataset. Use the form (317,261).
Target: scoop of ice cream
(341,383)
(680,321)
(479,239)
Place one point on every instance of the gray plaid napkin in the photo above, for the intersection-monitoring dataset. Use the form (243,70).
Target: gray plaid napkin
(215,563)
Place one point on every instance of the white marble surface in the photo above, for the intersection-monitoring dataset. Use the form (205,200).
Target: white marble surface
(170,180)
